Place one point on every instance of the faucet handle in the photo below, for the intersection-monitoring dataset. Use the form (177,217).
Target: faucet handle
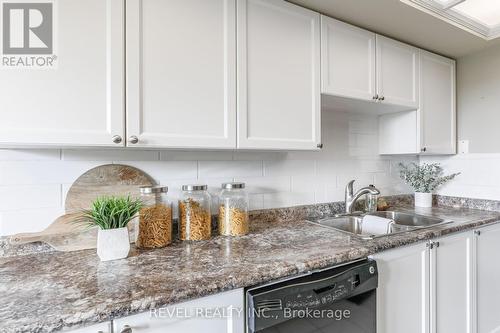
(349,189)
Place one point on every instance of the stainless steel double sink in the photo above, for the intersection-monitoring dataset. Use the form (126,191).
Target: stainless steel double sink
(403,222)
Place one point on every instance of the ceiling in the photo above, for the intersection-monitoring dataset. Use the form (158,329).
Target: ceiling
(405,23)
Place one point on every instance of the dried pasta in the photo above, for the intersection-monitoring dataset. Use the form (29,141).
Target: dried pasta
(155,226)
(234,222)
(195,222)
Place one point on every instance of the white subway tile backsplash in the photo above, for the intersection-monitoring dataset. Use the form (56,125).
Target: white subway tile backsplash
(175,155)
(29,154)
(28,220)
(260,185)
(34,183)
(208,169)
(29,196)
(43,172)
(289,167)
(110,155)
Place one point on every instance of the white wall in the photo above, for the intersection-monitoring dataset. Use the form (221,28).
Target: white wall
(33,183)
(478,100)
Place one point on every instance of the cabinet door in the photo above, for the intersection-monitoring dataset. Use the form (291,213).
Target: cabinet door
(220,313)
(278,75)
(98,328)
(397,73)
(80,100)
(437,104)
(452,284)
(403,290)
(488,277)
(181,63)
(347,60)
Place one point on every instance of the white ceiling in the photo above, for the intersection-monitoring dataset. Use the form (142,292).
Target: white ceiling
(400,21)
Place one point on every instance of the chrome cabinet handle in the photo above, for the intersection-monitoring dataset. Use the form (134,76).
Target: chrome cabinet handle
(133,139)
(116,139)
(375,97)
(477,232)
(126,329)
(319,145)
(423,149)
(381,98)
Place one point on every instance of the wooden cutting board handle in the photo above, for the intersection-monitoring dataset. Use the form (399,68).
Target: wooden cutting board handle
(28,237)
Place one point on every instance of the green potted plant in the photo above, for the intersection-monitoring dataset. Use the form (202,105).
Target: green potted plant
(424,179)
(111,215)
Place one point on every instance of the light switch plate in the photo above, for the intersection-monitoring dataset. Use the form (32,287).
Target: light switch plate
(463,146)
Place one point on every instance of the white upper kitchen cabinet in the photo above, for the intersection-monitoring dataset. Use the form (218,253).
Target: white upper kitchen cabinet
(279,81)
(452,288)
(431,128)
(220,313)
(403,290)
(347,60)
(181,73)
(79,101)
(397,73)
(437,104)
(488,277)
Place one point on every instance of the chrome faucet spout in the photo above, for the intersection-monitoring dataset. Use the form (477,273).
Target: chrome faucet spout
(351,197)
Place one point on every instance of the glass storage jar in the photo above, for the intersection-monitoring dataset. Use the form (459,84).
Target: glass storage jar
(155,218)
(233,210)
(195,218)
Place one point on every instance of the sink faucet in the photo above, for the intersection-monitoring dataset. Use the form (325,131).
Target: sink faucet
(351,197)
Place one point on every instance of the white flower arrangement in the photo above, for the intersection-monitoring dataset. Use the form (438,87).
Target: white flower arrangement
(424,178)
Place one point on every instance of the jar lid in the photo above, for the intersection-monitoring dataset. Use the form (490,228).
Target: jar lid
(193,187)
(229,186)
(153,189)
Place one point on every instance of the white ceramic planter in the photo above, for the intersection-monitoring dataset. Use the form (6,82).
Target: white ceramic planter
(113,244)
(423,199)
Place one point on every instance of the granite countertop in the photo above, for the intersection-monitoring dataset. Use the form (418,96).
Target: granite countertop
(51,291)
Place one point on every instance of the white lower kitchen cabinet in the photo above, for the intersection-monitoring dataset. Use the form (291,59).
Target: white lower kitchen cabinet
(403,290)
(452,284)
(79,100)
(220,313)
(98,328)
(488,279)
(278,60)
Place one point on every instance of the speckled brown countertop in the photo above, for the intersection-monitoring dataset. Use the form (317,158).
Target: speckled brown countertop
(50,291)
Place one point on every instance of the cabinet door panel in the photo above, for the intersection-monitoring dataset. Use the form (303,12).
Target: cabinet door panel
(79,102)
(278,75)
(403,291)
(192,317)
(488,277)
(181,63)
(397,72)
(347,60)
(437,104)
(452,284)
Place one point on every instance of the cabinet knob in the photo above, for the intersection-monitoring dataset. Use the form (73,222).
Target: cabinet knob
(133,139)
(117,139)
(126,329)
(477,232)
(423,150)
(381,98)
(319,145)
(375,97)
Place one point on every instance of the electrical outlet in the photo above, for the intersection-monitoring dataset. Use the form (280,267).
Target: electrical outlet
(463,146)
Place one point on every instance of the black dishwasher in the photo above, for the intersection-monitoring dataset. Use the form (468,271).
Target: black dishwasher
(335,300)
